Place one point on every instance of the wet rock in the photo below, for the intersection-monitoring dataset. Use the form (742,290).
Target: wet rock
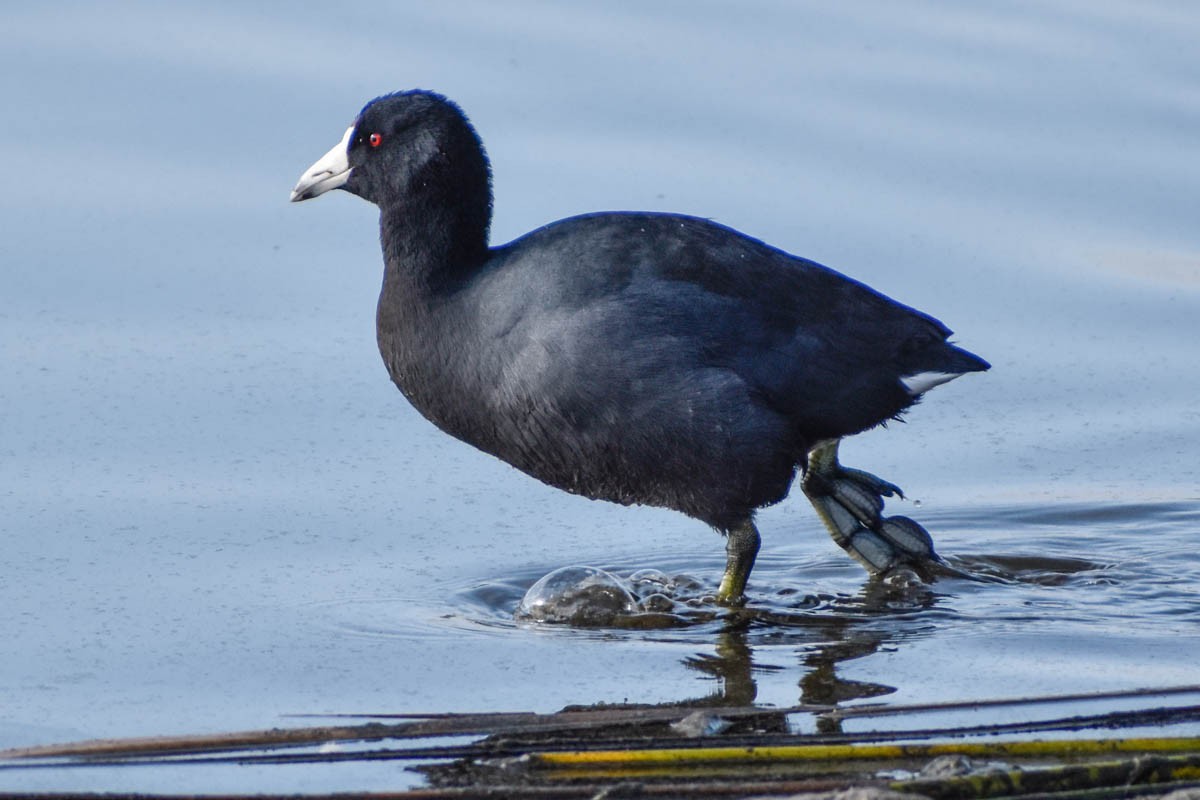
(853,793)
(954,766)
(1179,794)
(949,766)
(701,723)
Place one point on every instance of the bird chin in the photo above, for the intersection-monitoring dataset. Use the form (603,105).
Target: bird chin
(331,171)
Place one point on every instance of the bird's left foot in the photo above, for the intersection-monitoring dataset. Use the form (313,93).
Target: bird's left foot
(850,503)
(741,547)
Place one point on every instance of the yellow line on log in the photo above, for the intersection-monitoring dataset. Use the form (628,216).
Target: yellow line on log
(847,752)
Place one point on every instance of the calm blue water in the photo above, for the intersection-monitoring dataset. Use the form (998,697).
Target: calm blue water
(216,510)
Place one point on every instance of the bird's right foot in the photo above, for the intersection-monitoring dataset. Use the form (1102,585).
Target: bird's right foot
(850,503)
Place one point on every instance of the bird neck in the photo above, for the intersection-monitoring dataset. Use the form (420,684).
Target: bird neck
(434,234)
(422,259)
(429,252)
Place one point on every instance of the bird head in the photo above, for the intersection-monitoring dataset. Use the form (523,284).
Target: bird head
(399,148)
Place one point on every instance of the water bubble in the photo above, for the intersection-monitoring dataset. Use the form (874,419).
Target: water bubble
(578,595)
(658,603)
(649,581)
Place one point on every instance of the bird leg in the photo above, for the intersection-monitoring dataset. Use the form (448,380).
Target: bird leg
(850,503)
(741,546)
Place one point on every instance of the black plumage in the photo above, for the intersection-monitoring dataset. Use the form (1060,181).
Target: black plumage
(634,357)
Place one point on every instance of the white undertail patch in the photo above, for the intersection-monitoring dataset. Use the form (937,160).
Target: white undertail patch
(922,382)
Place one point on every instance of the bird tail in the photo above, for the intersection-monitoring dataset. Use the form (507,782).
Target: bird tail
(938,364)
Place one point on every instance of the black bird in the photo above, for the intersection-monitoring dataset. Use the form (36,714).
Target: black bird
(642,358)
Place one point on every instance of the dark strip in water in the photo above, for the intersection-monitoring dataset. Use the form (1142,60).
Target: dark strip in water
(560,751)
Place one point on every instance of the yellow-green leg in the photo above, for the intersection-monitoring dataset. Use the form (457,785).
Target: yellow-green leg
(741,547)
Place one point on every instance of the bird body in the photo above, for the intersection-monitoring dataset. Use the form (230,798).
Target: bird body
(646,358)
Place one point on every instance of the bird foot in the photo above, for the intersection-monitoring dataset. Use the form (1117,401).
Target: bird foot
(741,546)
(850,503)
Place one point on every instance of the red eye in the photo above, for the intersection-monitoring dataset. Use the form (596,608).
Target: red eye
(375,140)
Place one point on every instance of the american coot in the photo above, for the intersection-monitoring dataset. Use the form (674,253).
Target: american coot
(643,358)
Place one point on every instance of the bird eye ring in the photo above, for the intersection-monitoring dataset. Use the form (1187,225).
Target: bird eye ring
(375,140)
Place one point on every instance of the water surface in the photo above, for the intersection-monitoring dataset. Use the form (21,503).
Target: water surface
(216,510)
